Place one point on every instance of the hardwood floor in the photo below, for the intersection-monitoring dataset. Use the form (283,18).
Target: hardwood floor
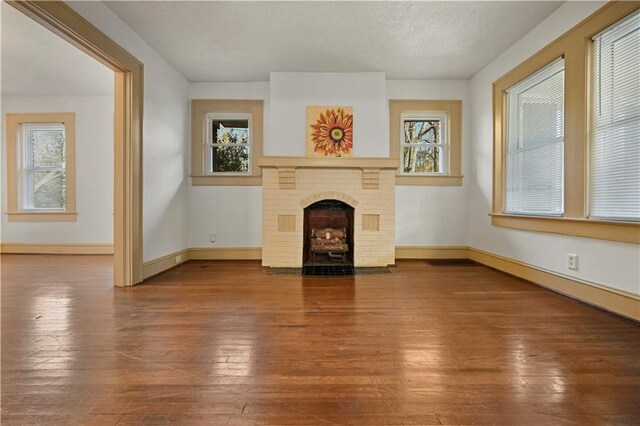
(223,343)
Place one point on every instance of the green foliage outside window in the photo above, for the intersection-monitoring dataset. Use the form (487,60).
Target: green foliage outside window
(230,151)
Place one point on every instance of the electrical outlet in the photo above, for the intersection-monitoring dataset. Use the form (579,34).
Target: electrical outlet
(212,238)
(572,261)
(179,258)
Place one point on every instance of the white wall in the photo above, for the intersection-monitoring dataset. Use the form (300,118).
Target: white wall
(166,131)
(434,215)
(233,213)
(94,172)
(425,215)
(291,93)
(606,263)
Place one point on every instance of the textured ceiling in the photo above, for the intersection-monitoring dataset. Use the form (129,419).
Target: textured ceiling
(36,62)
(244,41)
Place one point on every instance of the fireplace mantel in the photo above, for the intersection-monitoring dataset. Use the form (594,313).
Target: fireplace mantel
(328,163)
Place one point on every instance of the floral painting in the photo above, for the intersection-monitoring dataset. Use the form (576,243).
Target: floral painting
(329,131)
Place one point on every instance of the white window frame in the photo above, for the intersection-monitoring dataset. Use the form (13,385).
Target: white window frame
(598,74)
(209,142)
(512,127)
(27,167)
(445,151)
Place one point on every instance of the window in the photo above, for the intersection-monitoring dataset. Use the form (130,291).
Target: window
(424,138)
(535,142)
(615,144)
(229,139)
(41,176)
(566,127)
(426,141)
(226,140)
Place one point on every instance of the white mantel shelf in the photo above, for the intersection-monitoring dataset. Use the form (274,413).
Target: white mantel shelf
(328,163)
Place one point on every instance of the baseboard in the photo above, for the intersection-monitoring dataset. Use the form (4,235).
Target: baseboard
(226,253)
(46,248)
(164,263)
(443,252)
(616,301)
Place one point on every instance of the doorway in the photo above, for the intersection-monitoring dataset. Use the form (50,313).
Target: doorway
(128,106)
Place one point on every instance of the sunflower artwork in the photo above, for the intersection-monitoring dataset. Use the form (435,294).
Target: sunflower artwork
(329,131)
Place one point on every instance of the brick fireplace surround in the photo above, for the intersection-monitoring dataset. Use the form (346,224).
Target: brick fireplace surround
(289,184)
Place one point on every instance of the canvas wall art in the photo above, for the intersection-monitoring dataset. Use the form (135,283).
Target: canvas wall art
(329,131)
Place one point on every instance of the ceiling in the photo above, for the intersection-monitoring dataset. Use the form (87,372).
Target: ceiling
(244,41)
(36,62)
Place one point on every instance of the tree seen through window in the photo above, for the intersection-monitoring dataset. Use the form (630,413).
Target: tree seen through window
(231,146)
(422,145)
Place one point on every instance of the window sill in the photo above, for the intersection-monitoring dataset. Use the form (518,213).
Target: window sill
(429,180)
(626,232)
(232,180)
(42,216)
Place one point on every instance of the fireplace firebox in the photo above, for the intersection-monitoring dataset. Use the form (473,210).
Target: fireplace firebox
(334,218)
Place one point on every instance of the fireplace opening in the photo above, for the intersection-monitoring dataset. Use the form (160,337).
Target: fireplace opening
(328,233)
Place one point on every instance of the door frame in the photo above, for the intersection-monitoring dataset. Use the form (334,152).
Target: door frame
(129,74)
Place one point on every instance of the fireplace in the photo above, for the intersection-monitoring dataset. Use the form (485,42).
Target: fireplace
(327,214)
(300,194)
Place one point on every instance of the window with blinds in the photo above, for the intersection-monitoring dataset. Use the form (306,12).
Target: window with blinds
(615,141)
(534,179)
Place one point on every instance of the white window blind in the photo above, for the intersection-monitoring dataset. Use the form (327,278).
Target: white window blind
(615,144)
(534,181)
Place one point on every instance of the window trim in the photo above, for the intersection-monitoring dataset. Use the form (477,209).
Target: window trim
(452,109)
(200,110)
(574,47)
(15,213)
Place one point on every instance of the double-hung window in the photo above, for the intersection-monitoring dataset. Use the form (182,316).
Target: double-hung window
(425,136)
(226,142)
(41,166)
(566,128)
(43,178)
(424,144)
(535,143)
(229,143)
(615,136)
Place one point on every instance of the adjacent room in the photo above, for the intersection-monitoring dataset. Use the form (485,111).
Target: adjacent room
(320,212)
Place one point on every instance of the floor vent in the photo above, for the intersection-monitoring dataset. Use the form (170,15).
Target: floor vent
(373,270)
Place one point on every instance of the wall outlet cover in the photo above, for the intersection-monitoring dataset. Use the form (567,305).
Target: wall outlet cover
(572,261)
